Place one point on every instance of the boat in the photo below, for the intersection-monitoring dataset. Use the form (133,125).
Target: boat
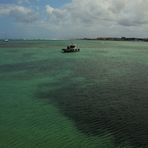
(71,48)
(6,40)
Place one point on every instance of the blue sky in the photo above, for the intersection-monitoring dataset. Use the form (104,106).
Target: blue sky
(63,19)
(10,28)
(54,3)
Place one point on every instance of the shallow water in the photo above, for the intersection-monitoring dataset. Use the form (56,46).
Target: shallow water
(93,98)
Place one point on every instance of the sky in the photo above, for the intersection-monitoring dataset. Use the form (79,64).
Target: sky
(66,19)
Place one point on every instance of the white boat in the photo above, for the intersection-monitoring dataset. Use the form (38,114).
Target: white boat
(71,48)
(6,40)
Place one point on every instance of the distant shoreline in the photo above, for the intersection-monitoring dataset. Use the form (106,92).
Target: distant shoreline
(98,38)
(117,39)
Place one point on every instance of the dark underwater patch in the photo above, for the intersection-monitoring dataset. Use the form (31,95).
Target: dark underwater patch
(107,100)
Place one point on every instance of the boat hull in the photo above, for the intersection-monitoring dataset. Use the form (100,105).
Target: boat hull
(71,50)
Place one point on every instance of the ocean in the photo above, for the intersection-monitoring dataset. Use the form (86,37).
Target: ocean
(95,98)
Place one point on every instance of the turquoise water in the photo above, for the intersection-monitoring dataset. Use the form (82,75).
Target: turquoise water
(93,98)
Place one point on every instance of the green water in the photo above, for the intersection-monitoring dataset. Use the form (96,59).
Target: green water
(95,98)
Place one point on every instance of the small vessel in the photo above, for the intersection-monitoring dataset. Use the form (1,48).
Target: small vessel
(6,40)
(71,48)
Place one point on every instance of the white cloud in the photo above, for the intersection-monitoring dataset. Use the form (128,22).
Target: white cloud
(84,18)
(100,17)
(134,13)
(18,12)
(123,12)
(49,9)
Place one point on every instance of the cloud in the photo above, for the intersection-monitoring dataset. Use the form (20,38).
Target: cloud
(82,18)
(49,9)
(123,12)
(19,13)
(108,18)
(134,13)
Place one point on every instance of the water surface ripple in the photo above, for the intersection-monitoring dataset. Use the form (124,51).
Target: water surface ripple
(97,97)
(105,94)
